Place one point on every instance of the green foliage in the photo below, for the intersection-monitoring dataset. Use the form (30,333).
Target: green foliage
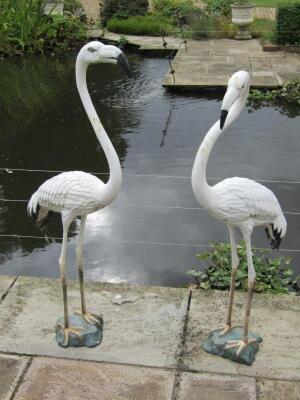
(272,275)
(122,9)
(218,7)
(174,9)
(25,29)
(263,28)
(288,24)
(290,93)
(140,25)
(209,26)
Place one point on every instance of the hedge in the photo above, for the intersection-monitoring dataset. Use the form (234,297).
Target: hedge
(288,24)
(140,25)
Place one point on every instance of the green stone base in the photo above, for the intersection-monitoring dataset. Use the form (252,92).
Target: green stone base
(215,344)
(91,333)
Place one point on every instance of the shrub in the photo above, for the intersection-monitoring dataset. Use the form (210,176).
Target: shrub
(263,28)
(288,24)
(218,7)
(139,25)
(122,9)
(25,29)
(210,26)
(174,9)
(272,275)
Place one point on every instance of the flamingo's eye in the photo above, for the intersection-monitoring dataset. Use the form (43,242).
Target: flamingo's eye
(91,49)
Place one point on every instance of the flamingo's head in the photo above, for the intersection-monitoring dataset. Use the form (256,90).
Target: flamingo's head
(96,52)
(237,88)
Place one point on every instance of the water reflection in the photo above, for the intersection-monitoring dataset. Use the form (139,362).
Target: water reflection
(150,234)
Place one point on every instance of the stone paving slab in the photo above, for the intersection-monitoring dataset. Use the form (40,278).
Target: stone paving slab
(5,283)
(143,42)
(226,56)
(142,325)
(278,390)
(53,379)
(11,368)
(216,387)
(275,317)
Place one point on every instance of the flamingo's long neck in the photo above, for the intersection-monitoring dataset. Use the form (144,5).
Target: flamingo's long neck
(114,183)
(202,191)
(201,188)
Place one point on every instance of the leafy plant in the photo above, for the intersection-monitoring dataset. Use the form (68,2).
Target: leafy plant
(272,275)
(25,29)
(140,25)
(218,7)
(177,10)
(290,93)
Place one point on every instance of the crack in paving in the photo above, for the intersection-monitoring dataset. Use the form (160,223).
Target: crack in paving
(8,289)
(181,353)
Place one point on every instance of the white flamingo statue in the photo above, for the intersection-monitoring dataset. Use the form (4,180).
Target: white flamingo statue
(78,193)
(237,202)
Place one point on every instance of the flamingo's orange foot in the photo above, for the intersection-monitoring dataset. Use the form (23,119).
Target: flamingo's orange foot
(70,330)
(224,329)
(89,318)
(240,344)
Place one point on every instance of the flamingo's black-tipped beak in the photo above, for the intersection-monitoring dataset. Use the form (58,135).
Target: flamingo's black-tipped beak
(223,116)
(124,64)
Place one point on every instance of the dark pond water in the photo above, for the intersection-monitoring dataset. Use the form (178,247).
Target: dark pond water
(153,231)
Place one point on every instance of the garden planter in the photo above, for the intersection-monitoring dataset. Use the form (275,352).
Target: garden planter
(242,16)
(53,7)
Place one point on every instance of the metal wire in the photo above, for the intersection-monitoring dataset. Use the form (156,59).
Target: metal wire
(11,170)
(47,238)
(145,206)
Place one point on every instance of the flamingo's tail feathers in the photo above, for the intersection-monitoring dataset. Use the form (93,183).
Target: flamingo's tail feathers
(276,231)
(40,215)
(33,205)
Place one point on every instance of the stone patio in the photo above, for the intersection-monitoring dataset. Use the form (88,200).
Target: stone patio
(151,347)
(210,64)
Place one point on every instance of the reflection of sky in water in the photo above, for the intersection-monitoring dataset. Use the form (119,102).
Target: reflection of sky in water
(128,241)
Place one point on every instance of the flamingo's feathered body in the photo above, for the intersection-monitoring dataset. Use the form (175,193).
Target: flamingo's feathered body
(242,200)
(73,193)
(238,202)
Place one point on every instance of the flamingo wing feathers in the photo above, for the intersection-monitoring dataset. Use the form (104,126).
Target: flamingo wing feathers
(74,191)
(240,199)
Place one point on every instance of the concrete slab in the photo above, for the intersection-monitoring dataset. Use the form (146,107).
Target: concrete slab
(278,390)
(5,283)
(216,387)
(11,368)
(54,379)
(225,56)
(141,325)
(276,318)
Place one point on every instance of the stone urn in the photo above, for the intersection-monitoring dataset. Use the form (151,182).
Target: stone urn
(242,16)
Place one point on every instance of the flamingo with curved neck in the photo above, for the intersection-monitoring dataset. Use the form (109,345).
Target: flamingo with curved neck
(238,202)
(78,193)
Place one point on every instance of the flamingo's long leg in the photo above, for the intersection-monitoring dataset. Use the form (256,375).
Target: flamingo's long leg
(234,265)
(241,344)
(79,255)
(62,265)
